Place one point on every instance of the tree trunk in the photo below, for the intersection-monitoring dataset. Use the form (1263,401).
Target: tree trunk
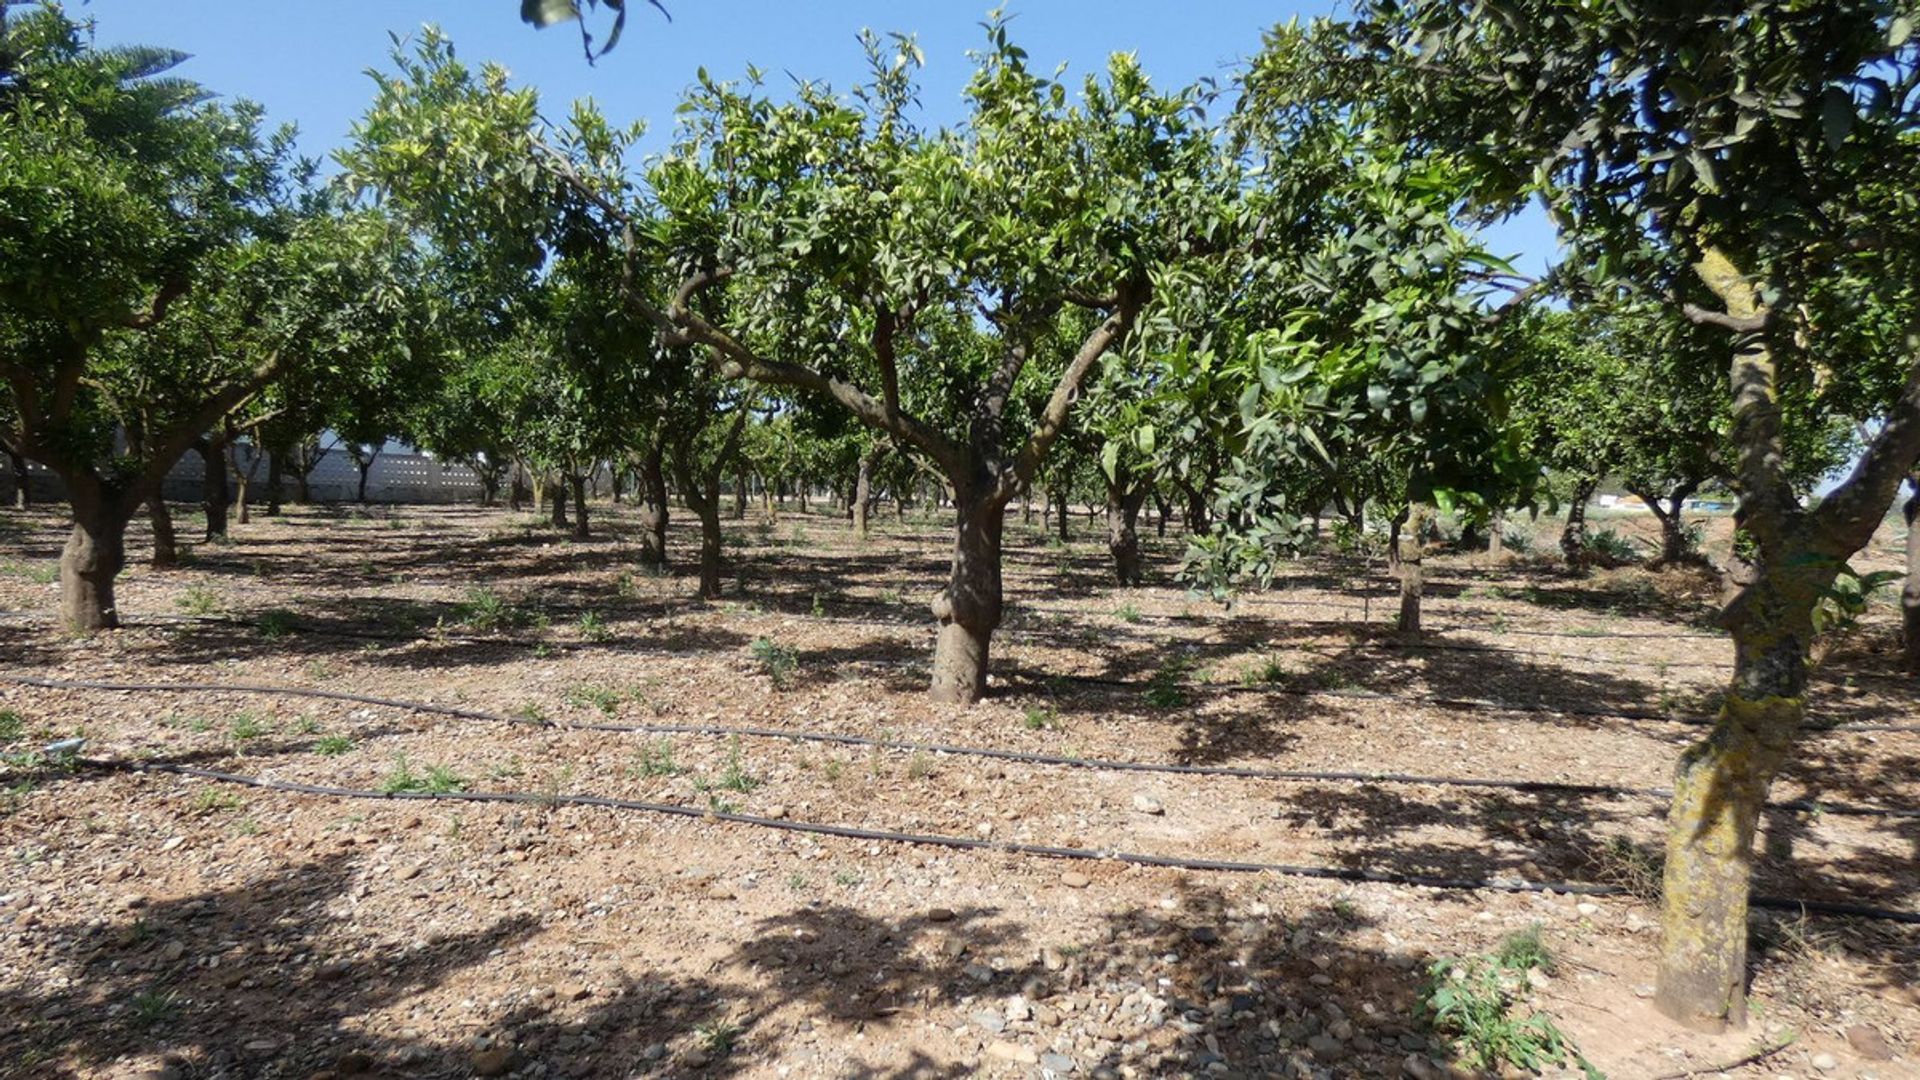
(653,508)
(95,554)
(1123,537)
(579,484)
(1497,537)
(1060,510)
(302,475)
(216,498)
(1669,511)
(739,496)
(708,511)
(1161,512)
(557,501)
(1196,512)
(365,468)
(1412,573)
(166,551)
(862,491)
(1910,595)
(242,479)
(22,488)
(969,608)
(276,475)
(1719,788)
(1573,538)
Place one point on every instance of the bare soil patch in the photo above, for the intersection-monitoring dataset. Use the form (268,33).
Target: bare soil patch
(148,918)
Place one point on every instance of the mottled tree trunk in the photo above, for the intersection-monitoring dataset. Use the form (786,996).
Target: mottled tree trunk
(22,487)
(969,608)
(579,484)
(1497,536)
(1123,535)
(653,508)
(862,492)
(215,499)
(1719,788)
(556,490)
(1413,580)
(1573,538)
(94,555)
(1910,594)
(276,476)
(166,549)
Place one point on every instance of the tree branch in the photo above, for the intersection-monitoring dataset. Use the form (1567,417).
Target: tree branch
(179,438)
(1739,324)
(1846,518)
(1053,419)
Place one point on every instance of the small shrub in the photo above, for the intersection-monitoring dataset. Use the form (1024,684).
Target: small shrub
(247,726)
(657,760)
(717,1037)
(1609,548)
(198,600)
(12,725)
(1164,689)
(1128,613)
(275,623)
(1620,862)
(210,800)
(151,1008)
(780,662)
(604,698)
(333,745)
(442,780)
(734,777)
(1040,719)
(595,629)
(485,609)
(1476,1002)
(532,712)
(920,766)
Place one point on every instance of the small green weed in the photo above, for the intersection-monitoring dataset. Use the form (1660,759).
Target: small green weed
(1037,718)
(151,1008)
(247,726)
(333,745)
(780,662)
(594,628)
(1127,613)
(656,760)
(587,695)
(734,777)
(717,1037)
(12,725)
(198,600)
(1475,1001)
(1164,689)
(39,574)
(211,800)
(275,623)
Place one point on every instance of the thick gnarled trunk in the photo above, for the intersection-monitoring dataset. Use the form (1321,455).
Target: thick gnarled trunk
(1719,789)
(579,485)
(970,607)
(653,508)
(1411,545)
(1123,533)
(166,549)
(95,553)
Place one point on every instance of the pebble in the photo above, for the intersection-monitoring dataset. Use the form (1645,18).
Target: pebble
(989,1021)
(776,812)
(1149,805)
(1074,879)
(1006,1051)
(1869,1043)
(1059,1064)
(1825,1062)
(1018,1009)
(939,914)
(1587,908)
(718,891)
(695,1059)
(1204,935)
(493,1061)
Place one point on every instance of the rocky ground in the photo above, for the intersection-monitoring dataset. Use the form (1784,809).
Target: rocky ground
(163,924)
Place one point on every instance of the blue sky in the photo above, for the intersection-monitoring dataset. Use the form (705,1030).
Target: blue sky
(305,60)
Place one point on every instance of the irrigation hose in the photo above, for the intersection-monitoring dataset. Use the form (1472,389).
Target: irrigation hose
(848,832)
(1019,756)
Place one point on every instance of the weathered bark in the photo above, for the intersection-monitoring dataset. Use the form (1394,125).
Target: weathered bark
(94,555)
(579,484)
(556,490)
(708,511)
(653,508)
(22,486)
(862,491)
(1910,594)
(1573,538)
(1719,788)
(276,476)
(1123,536)
(166,550)
(1497,536)
(1412,546)
(970,607)
(215,497)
